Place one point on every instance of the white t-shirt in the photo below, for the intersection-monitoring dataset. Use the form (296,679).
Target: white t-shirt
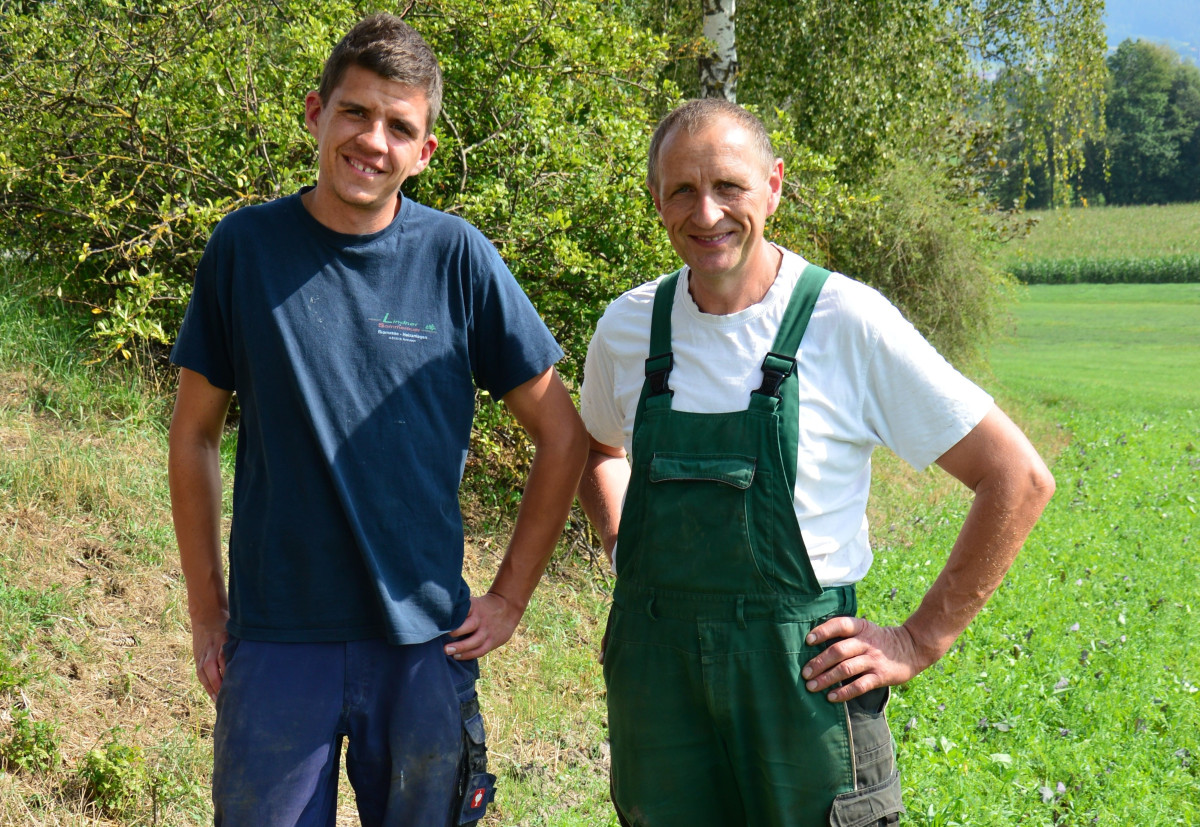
(866,378)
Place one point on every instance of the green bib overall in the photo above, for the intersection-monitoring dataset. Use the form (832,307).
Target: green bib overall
(709,719)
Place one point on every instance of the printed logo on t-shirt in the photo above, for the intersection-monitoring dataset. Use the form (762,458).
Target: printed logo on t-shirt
(403,330)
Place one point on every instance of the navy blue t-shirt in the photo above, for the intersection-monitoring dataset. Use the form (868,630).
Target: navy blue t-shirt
(354,359)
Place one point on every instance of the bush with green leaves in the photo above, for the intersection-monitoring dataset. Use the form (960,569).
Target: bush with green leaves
(31,745)
(114,775)
(132,128)
(127,139)
(928,252)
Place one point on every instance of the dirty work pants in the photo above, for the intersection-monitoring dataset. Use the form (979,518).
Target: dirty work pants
(416,751)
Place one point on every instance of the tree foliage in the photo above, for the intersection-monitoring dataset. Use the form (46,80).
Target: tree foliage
(875,89)
(128,138)
(1042,87)
(1153,139)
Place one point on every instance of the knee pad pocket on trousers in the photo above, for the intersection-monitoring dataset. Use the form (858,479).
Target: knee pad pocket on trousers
(875,806)
(876,801)
(476,786)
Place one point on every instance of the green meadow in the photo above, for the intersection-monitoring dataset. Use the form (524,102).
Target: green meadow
(1126,347)
(1073,697)
(1072,700)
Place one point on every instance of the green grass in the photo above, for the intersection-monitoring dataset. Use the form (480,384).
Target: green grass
(1072,700)
(1118,346)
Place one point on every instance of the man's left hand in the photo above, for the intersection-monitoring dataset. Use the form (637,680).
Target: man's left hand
(864,657)
(490,622)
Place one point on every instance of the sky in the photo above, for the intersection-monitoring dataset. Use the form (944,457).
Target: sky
(1174,22)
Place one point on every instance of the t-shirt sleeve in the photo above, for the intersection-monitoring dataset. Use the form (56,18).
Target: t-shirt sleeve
(597,398)
(918,404)
(203,344)
(510,343)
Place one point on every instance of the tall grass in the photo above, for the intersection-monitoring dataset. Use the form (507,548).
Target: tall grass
(1112,233)
(93,643)
(1109,245)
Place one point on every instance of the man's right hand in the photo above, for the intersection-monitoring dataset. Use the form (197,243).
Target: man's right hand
(208,640)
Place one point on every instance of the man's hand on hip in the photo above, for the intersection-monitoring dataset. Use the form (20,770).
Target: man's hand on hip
(490,622)
(864,657)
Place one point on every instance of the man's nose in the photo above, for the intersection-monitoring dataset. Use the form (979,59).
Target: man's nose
(708,210)
(374,136)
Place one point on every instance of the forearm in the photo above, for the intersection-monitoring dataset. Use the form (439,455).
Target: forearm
(559,451)
(195,482)
(194,474)
(1007,505)
(602,492)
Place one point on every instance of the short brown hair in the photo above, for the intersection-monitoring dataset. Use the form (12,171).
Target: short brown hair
(392,49)
(695,115)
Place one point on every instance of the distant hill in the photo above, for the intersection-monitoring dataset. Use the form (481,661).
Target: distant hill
(1174,22)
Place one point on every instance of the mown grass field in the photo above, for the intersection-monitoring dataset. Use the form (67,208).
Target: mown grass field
(1072,700)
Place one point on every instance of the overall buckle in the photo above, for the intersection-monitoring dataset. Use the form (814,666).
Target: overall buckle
(775,367)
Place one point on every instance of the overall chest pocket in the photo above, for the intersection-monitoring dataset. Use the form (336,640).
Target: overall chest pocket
(701,512)
(735,470)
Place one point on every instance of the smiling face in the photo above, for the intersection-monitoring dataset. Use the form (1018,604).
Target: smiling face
(714,195)
(371,135)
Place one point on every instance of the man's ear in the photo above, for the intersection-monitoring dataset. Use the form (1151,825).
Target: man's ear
(775,185)
(431,143)
(657,200)
(312,112)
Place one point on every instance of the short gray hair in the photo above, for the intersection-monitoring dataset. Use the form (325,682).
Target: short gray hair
(694,116)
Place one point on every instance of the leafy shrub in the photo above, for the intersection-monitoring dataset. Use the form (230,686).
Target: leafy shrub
(929,254)
(128,138)
(31,745)
(114,775)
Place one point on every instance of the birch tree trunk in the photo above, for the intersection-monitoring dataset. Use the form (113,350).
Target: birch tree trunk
(718,71)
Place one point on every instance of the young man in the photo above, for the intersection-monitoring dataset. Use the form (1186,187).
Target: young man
(354,325)
(748,391)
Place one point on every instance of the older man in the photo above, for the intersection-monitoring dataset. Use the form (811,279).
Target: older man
(747,391)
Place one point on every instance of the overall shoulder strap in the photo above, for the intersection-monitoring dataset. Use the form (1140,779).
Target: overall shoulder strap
(656,390)
(799,310)
(779,366)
